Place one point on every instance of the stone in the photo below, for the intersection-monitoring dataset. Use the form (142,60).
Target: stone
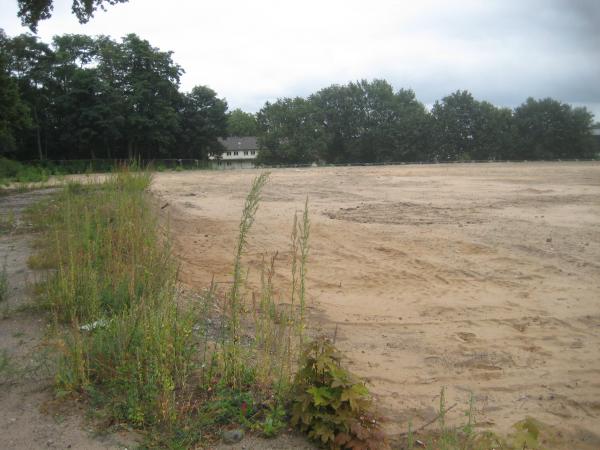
(233,436)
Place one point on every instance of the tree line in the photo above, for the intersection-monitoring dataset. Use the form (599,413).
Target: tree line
(367,121)
(93,97)
(84,97)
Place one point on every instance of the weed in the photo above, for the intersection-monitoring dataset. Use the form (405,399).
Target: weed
(464,437)
(3,283)
(7,367)
(331,404)
(232,358)
(111,267)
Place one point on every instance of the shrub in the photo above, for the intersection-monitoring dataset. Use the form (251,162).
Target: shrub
(331,404)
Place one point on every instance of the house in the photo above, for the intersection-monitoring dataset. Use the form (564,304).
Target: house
(240,153)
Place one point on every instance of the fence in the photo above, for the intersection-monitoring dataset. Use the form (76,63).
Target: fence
(107,165)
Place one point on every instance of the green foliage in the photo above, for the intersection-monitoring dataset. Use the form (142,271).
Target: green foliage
(331,404)
(274,421)
(3,283)
(203,119)
(233,359)
(465,128)
(121,339)
(367,121)
(549,129)
(32,12)
(526,435)
(15,171)
(88,98)
(8,223)
(240,123)
(290,132)
(14,113)
(7,367)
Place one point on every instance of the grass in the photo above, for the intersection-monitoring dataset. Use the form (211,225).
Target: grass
(3,283)
(123,343)
(7,367)
(527,433)
(121,339)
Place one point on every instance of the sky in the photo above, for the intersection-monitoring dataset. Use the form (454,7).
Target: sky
(250,52)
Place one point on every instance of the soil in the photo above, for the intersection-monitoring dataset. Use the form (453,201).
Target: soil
(483,278)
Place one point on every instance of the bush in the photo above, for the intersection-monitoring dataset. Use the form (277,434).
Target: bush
(331,404)
(16,171)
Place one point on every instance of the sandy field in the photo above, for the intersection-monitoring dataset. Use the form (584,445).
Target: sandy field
(482,278)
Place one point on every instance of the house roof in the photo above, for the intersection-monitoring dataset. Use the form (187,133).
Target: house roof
(240,143)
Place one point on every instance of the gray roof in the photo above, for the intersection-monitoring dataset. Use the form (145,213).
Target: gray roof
(240,143)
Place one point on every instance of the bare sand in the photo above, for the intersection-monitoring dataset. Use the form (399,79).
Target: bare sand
(482,278)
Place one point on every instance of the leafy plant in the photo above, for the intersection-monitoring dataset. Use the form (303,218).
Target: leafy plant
(331,404)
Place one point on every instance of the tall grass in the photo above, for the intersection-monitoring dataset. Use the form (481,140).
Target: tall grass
(272,338)
(3,283)
(124,343)
(122,340)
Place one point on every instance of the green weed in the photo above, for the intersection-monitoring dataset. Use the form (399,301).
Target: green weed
(112,293)
(8,368)
(3,283)
(464,437)
(332,405)
(8,223)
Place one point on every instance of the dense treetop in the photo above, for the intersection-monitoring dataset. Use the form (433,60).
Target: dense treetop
(83,97)
(240,123)
(368,121)
(89,97)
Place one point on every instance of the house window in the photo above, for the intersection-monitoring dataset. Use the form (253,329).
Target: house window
(252,152)
(245,153)
(228,153)
(235,153)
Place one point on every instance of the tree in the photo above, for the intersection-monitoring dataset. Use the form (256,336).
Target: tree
(290,132)
(32,12)
(30,64)
(368,122)
(549,129)
(465,128)
(14,114)
(493,133)
(203,121)
(454,126)
(147,79)
(240,123)
(94,96)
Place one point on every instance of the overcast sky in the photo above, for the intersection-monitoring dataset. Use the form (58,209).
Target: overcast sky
(252,51)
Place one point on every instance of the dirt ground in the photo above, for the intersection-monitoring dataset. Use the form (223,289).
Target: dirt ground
(482,278)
